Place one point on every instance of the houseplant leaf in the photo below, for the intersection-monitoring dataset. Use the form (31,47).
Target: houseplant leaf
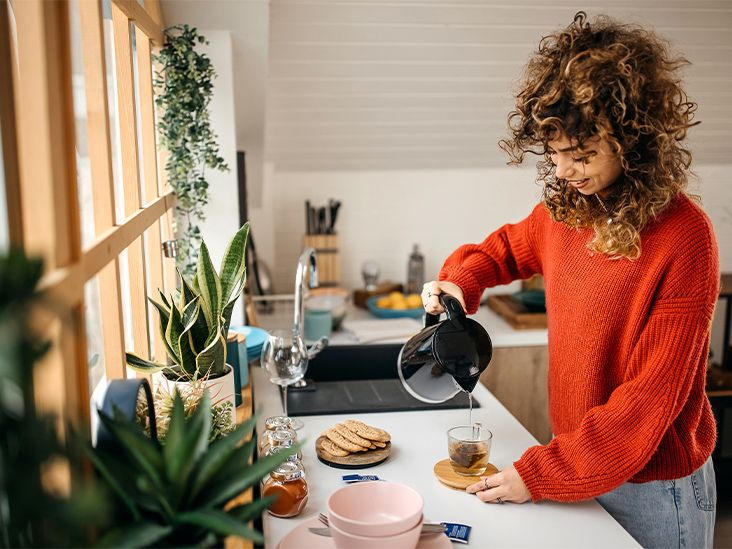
(113,469)
(219,453)
(242,478)
(212,359)
(137,534)
(144,452)
(144,366)
(186,441)
(233,264)
(173,331)
(221,523)
(210,288)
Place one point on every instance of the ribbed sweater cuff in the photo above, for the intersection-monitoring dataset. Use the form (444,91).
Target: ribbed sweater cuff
(526,467)
(468,284)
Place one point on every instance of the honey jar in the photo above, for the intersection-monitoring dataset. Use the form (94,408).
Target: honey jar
(287,484)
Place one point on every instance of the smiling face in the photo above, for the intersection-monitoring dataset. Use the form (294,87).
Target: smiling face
(591,169)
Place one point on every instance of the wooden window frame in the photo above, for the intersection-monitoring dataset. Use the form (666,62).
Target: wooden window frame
(38,147)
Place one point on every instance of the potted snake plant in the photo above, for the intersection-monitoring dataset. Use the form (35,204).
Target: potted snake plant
(194,323)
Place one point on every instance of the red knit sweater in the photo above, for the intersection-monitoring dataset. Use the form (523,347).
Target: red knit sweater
(628,346)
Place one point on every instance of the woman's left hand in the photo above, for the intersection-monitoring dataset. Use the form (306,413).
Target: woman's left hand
(501,487)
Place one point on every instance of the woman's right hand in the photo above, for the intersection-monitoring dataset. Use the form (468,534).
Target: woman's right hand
(431,290)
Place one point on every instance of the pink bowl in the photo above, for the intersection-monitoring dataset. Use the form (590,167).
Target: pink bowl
(375,509)
(404,540)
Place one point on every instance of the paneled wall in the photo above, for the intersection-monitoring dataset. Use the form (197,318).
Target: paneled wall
(427,84)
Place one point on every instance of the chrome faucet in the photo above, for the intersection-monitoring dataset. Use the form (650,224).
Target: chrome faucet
(306,257)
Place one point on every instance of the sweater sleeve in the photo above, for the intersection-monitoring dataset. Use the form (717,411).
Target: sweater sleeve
(614,441)
(508,254)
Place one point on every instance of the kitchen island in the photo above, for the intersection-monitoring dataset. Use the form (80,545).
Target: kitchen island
(419,441)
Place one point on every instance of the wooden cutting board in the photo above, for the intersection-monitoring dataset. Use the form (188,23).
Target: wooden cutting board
(447,476)
(357,460)
(515,313)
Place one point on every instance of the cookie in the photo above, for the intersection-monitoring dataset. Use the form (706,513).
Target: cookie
(343,443)
(328,446)
(378,444)
(367,431)
(345,432)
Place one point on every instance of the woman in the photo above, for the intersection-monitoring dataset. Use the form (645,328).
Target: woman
(631,270)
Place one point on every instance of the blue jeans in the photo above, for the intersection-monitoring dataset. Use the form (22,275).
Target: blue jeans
(667,513)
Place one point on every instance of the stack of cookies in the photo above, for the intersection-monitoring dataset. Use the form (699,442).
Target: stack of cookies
(353,436)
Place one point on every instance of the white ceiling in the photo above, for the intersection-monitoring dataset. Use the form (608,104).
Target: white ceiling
(414,84)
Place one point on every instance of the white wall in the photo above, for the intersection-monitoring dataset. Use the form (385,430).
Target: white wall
(384,213)
(222,211)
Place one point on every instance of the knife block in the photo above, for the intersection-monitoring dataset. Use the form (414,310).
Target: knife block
(328,257)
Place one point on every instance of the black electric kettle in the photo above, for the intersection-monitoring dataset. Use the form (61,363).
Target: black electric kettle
(445,357)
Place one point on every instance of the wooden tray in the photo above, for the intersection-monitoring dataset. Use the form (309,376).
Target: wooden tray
(447,476)
(515,313)
(358,460)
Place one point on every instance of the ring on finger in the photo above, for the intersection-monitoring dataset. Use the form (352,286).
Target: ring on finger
(499,500)
(485,484)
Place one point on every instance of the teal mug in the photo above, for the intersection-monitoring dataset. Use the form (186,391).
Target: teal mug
(318,323)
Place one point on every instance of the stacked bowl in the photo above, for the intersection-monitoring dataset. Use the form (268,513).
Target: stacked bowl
(376,514)
(255,339)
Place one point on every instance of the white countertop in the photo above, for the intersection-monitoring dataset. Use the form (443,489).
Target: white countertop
(502,334)
(418,442)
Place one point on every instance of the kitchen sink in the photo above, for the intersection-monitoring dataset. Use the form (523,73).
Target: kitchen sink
(359,379)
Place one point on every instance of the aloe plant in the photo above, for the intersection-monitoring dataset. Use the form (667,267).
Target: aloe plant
(195,321)
(178,493)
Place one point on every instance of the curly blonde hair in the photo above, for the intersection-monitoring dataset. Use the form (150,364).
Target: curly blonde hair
(620,83)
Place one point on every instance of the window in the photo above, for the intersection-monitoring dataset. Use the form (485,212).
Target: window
(80,177)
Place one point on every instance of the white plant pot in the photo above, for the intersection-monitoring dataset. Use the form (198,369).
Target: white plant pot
(220,389)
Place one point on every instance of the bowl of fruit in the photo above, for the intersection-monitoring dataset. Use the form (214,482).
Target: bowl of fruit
(396,305)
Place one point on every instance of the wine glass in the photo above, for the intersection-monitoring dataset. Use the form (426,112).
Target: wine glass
(285,357)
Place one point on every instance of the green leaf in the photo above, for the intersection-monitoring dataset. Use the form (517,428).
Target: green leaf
(226,315)
(141,365)
(164,314)
(164,300)
(173,331)
(242,477)
(250,511)
(111,469)
(189,311)
(186,441)
(233,265)
(212,359)
(186,293)
(137,534)
(221,523)
(210,288)
(144,452)
(219,453)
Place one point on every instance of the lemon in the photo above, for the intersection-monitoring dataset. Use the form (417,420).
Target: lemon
(413,301)
(383,302)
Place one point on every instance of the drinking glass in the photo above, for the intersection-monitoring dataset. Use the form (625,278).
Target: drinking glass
(285,358)
(469,448)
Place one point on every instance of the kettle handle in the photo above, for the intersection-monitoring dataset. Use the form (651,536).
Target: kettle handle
(452,307)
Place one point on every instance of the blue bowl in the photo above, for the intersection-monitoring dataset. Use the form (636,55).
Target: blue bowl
(392,313)
(255,337)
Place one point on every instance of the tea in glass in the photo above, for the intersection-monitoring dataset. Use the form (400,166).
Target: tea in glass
(469,447)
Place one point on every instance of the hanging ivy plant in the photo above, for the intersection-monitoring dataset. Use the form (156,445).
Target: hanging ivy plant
(184,84)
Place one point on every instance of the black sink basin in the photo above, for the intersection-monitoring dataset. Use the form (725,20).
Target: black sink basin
(359,379)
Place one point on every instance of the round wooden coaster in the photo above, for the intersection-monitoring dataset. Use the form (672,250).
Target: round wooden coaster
(357,460)
(445,474)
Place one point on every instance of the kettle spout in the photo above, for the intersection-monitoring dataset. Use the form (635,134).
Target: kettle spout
(318,346)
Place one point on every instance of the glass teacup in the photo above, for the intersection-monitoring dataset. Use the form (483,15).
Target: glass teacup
(469,447)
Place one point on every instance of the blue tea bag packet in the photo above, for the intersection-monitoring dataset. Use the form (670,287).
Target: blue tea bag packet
(350,479)
(457,532)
